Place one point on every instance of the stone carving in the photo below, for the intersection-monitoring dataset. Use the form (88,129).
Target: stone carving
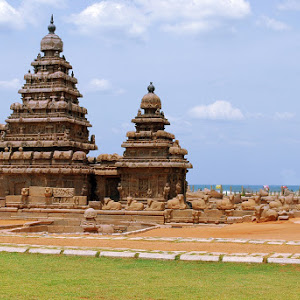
(226,203)
(263,193)
(132,204)
(154,205)
(120,190)
(178,188)
(166,191)
(167,215)
(106,229)
(196,216)
(200,203)
(63,192)
(111,205)
(251,203)
(48,192)
(90,213)
(25,192)
(149,193)
(177,202)
(89,223)
(264,214)
(79,155)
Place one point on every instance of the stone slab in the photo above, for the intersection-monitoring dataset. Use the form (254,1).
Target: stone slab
(283,260)
(199,257)
(242,259)
(44,251)
(275,243)
(80,252)
(256,242)
(117,254)
(157,256)
(13,249)
(294,243)
(281,255)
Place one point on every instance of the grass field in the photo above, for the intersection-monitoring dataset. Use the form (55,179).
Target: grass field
(34,276)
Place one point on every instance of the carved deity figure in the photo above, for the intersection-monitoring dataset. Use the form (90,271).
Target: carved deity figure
(178,188)
(149,193)
(166,191)
(3,134)
(84,190)
(93,140)
(120,190)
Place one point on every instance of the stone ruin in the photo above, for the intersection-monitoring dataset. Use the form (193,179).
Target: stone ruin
(45,171)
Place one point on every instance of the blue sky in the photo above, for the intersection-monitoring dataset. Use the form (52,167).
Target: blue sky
(227,72)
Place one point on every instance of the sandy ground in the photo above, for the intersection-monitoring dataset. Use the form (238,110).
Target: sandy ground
(14,222)
(283,230)
(154,245)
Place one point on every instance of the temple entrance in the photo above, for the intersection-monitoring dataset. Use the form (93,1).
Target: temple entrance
(111,188)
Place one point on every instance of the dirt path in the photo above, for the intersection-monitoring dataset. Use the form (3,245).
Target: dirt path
(153,245)
(282,230)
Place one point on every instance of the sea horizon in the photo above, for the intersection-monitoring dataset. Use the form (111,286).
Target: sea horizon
(246,187)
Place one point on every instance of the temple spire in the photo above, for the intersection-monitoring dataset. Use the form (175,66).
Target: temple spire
(51,27)
(151,88)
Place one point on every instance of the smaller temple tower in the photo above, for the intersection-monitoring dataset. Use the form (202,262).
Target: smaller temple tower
(153,165)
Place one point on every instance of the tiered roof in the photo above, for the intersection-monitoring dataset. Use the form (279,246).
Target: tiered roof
(50,117)
(150,145)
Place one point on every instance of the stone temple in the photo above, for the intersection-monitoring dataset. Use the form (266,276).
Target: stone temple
(45,142)
(46,175)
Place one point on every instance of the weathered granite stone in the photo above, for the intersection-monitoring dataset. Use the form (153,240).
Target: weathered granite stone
(157,256)
(199,257)
(80,252)
(117,254)
(44,251)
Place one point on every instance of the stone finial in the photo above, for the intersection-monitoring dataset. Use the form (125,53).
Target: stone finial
(151,88)
(51,27)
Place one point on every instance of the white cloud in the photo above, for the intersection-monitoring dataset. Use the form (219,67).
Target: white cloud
(9,16)
(284,115)
(219,110)
(122,16)
(178,16)
(289,5)
(104,86)
(272,24)
(10,84)
(28,12)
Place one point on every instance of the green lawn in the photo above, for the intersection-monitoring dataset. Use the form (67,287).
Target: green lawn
(34,276)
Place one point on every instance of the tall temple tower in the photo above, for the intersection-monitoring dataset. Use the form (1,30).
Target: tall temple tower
(153,165)
(46,138)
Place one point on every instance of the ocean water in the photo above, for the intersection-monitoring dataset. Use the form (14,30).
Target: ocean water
(247,188)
